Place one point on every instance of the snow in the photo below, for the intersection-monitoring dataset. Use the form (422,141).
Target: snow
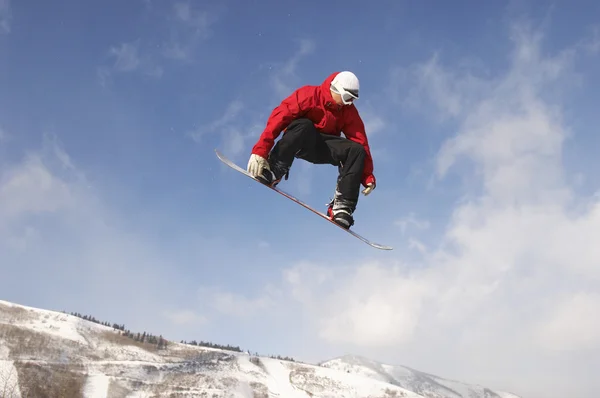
(279,380)
(358,385)
(397,371)
(114,361)
(4,352)
(9,381)
(355,366)
(506,395)
(51,322)
(427,385)
(96,386)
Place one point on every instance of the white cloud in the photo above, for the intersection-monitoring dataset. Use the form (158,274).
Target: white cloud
(198,20)
(228,118)
(593,44)
(284,76)
(129,57)
(31,188)
(232,128)
(373,123)
(427,85)
(56,230)
(185,27)
(126,56)
(374,306)
(412,220)
(188,27)
(302,279)
(417,244)
(573,325)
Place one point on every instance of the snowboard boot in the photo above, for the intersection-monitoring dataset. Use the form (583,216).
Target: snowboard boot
(340,211)
(278,170)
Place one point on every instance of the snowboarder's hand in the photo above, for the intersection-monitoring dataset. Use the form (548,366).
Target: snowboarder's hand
(256,164)
(370,187)
(369,183)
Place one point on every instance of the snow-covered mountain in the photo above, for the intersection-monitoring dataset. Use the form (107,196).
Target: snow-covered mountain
(424,384)
(48,353)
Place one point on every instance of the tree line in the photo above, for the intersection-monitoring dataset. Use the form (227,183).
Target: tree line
(149,338)
(212,345)
(161,343)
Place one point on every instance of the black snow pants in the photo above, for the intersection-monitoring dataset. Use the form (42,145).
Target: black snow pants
(303,141)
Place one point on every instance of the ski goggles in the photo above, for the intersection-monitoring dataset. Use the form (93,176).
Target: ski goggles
(348,96)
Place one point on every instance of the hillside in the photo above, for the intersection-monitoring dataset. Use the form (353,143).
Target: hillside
(48,353)
(427,385)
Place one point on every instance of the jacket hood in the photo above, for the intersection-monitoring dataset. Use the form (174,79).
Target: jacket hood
(327,82)
(326,93)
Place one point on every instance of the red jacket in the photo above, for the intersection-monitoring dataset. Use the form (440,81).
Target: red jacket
(317,104)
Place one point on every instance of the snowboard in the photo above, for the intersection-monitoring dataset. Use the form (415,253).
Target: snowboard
(281,192)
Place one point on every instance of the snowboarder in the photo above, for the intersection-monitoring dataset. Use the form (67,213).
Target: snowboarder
(312,119)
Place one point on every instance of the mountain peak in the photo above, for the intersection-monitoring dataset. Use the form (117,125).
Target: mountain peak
(424,384)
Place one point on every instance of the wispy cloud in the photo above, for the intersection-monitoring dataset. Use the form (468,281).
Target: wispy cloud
(514,278)
(184,26)
(189,26)
(56,225)
(593,45)
(229,116)
(5,16)
(374,122)
(412,221)
(32,189)
(449,91)
(284,76)
(232,129)
(128,58)
(198,21)
(416,244)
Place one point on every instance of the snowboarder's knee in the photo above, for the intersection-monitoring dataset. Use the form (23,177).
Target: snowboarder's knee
(301,132)
(356,149)
(301,125)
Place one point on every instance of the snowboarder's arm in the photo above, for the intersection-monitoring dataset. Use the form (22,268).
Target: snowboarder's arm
(292,107)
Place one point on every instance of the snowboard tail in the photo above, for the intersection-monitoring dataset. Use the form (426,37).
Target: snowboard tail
(298,201)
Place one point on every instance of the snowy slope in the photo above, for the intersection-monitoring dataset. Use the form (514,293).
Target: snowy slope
(57,352)
(427,385)
(50,353)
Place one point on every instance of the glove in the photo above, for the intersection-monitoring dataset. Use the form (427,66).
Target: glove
(256,164)
(370,185)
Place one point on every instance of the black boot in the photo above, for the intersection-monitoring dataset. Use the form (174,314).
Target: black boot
(341,211)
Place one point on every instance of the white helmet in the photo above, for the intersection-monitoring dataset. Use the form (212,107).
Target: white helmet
(346,85)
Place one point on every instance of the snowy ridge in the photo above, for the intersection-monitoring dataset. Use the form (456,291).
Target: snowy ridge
(47,352)
(427,385)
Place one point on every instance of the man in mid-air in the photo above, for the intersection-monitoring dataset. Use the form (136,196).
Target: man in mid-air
(313,118)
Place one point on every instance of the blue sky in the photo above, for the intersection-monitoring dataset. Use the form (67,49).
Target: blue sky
(482,121)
